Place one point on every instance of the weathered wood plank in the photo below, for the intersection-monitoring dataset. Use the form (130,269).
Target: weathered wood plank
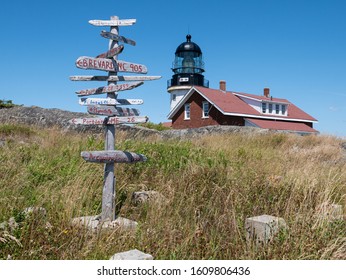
(110,88)
(120,22)
(112,111)
(109,101)
(112,52)
(115,156)
(114,37)
(112,120)
(114,78)
(111,65)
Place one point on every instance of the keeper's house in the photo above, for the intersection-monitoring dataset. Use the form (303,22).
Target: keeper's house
(193,104)
(202,106)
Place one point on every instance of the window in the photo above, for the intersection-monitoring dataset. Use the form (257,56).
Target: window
(187,111)
(277,109)
(270,108)
(174,97)
(205,111)
(264,108)
(283,109)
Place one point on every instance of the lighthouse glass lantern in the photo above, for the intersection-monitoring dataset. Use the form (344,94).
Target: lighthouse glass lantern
(188,65)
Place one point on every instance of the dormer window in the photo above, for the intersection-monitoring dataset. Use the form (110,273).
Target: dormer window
(277,109)
(283,109)
(264,108)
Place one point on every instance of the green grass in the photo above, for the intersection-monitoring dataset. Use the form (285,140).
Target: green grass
(211,184)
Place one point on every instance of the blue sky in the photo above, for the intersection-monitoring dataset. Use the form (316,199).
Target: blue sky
(296,48)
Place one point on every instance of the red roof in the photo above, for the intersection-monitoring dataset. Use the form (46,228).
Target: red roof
(231,103)
(281,125)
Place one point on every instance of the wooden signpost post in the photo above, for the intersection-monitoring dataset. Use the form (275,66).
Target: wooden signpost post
(107,107)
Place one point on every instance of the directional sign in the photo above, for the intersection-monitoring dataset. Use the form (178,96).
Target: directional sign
(111,65)
(110,88)
(112,156)
(113,120)
(120,22)
(109,101)
(114,37)
(112,111)
(111,52)
(114,78)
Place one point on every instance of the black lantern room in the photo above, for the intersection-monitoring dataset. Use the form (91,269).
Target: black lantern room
(188,65)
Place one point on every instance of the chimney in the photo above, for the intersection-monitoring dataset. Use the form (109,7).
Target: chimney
(223,85)
(266,92)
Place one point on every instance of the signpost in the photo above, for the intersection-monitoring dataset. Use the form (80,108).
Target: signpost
(109,101)
(114,78)
(110,88)
(109,121)
(110,65)
(111,52)
(113,22)
(112,111)
(111,36)
(108,61)
(112,157)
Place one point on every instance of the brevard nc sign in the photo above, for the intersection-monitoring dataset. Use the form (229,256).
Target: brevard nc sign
(109,101)
(110,88)
(112,120)
(105,64)
(114,37)
(114,78)
(111,52)
(112,111)
(120,22)
(112,156)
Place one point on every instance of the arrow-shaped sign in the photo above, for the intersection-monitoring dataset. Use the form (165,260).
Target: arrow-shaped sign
(120,22)
(114,78)
(110,88)
(109,101)
(113,120)
(111,52)
(112,111)
(111,65)
(114,37)
(112,156)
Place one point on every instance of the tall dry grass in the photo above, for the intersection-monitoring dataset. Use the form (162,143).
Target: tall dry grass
(211,185)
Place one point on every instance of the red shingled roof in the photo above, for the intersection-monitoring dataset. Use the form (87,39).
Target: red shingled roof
(282,125)
(231,103)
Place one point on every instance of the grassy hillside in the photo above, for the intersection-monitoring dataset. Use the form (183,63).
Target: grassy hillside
(212,184)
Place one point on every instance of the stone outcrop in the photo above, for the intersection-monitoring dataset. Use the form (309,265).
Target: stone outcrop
(59,118)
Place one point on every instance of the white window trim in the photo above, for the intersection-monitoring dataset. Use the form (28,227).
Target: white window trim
(203,113)
(187,105)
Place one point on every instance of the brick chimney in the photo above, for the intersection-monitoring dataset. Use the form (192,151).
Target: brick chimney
(223,85)
(266,92)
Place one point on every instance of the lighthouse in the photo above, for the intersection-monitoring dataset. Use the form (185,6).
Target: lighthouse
(188,68)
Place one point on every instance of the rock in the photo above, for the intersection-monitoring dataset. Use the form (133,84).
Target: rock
(330,212)
(146,196)
(132,255)
(33,210)
(12,224)
(263,228)
(4,225)
(94,223)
